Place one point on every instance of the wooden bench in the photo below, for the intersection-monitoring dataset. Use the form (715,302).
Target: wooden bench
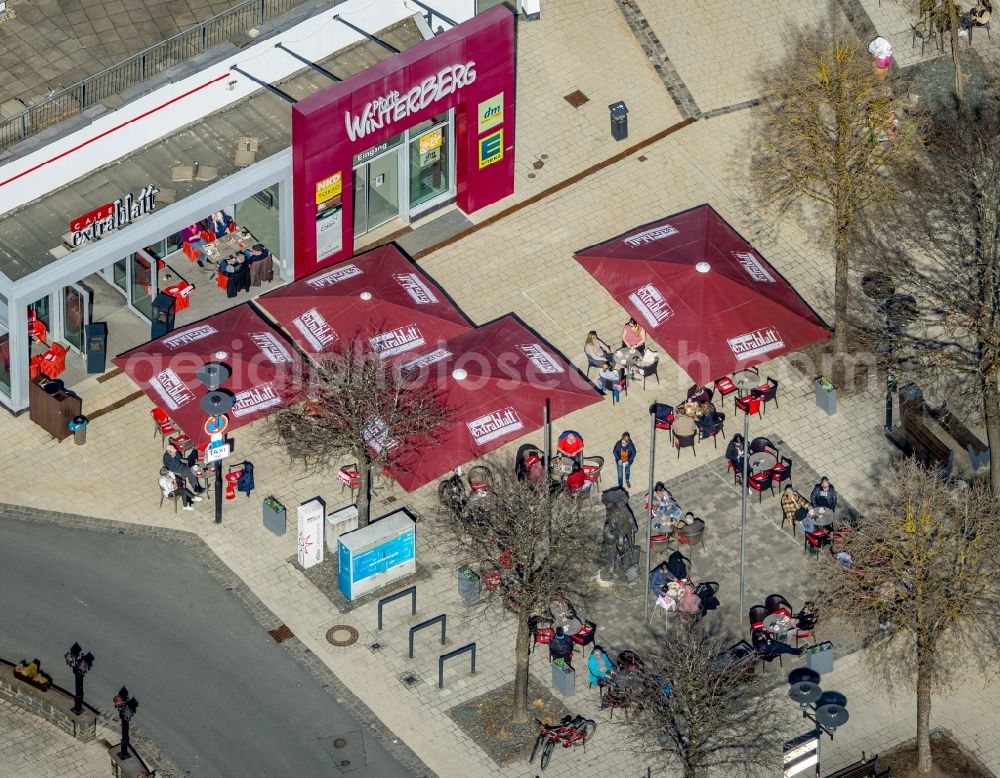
(913,437)
(978,451)
(864,768)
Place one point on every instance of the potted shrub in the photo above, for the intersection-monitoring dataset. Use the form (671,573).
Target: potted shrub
(826,395)
(469,585)
(563,678)
(274,515)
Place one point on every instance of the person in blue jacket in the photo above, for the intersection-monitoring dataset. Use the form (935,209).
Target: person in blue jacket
(624,453)
(600,666)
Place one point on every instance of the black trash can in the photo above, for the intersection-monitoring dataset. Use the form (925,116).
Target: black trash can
(163,316)
(619,120)
(78,426)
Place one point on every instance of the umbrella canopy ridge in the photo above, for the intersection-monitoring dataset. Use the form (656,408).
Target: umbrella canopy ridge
(704,293)
(262,362)
(379,296)
(495,380)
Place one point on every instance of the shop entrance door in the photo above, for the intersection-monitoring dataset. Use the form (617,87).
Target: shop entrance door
(376,192)
(76,314)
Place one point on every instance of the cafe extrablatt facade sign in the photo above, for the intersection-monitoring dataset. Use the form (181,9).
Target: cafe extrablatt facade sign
(112,216)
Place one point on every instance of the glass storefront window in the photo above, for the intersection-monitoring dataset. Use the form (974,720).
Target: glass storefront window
(75,304)
(121,274)
(259,215)
(429,160)
(4,348)
(142,286)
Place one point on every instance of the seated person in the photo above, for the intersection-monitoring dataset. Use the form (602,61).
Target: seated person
(794,506)
(664,505)
(768,648)
(599,666)
(529,458)
(824,495)
(659,578)
(975,17)
(570,444)
(597,350)
(561,647)
(634,336)
(735,452)
(220,223)
(609,377)
(192,236)
(169,487)
(577,480)
(708,419)
(256,252)
(231,265)
(180,465)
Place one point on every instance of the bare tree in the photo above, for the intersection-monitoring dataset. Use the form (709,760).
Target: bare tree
(825,135)
(531,544)
(940,242)
(921,588)
(357,405)
(702,714)
(943,15)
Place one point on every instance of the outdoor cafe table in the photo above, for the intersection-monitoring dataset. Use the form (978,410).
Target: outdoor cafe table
(627,357)
(684,425)
(762,461)
(778,624)
(823,517)
(745,379)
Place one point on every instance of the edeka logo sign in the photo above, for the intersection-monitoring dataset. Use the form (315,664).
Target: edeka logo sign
(753,266)
(491,113)
(496,424)
(490,149)
(113,215)
(755,343)
(651,304)
(395,107)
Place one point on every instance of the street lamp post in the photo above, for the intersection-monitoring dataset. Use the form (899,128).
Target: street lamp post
(80,663)
(126,707)
(827,718)
(217,403)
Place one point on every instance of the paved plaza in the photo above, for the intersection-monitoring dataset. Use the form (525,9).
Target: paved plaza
(519,258)
(33,748)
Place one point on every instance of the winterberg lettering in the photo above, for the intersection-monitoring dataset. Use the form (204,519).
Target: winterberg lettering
(123,211)
(648,236)
(755,343)
(394,107)
(540,358)
(494,425)
(425,360)
(179,339)
(271,347)
(315,329)
(753,266)
(170,387)
(387,344)
(651,304)
(417,289)
(334,276)
(256,399)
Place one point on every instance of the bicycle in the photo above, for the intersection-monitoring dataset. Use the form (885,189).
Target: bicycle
(571,731)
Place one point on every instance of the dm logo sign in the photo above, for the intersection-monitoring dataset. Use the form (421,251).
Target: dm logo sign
(491,112)
(490,149)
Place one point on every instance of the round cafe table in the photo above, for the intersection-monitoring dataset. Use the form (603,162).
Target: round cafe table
(762,462)
(627,357)
(778,624)
(823,517)
(745,379)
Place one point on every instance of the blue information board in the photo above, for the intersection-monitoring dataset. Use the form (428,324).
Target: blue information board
(379,559)
(344,570)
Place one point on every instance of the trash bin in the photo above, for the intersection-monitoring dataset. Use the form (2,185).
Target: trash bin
(819,658)
(619,120)
(78,426)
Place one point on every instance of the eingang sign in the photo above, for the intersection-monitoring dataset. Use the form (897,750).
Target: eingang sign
(112,216)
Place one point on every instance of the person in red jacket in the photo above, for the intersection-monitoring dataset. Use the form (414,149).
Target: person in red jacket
(577,480)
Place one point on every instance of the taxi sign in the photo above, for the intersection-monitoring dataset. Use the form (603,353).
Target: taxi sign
(216,453)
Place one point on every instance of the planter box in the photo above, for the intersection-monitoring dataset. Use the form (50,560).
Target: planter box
(564,681)
(274,520)
(819,658)
(826,399)
(469,588)
(41,681)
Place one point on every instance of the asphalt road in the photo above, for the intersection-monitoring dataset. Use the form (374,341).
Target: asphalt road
(215,691)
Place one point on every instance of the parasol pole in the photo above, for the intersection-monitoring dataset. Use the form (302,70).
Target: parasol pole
(743,505)
(546,447)
(649,497)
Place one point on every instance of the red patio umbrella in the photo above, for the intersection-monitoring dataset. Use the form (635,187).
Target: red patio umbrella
(379,295)
(262,362)
(495,380)
(704,293)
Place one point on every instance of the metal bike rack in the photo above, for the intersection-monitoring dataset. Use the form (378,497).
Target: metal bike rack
(411,590)
(441,659)
(443,619)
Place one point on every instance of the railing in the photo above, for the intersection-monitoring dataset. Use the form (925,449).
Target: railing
(69,102)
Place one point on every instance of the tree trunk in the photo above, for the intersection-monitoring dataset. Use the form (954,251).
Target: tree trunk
(840,288)
(364,492)
(991,413)
(923,719)
(522,652)
(955,52)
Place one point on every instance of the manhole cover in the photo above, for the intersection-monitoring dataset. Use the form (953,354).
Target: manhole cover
(281,634)
(341,635)
(576,99)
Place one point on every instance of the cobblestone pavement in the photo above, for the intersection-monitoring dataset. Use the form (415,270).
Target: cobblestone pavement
(523,263)
(32,748)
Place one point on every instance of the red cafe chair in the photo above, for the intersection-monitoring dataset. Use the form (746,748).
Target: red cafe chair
(163,424)
(584,637)
(760,482)
(543,636)
(190,251)
(725,387)
(750,405)
(231,478)
(349,476)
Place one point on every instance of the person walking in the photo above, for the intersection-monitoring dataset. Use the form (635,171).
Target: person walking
(624,453)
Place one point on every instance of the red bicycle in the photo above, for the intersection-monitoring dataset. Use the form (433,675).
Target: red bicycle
(571,731)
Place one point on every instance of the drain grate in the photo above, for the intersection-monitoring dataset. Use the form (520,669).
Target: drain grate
(409,680)
(375,647)
(281,634)
(576,98)
(341,635)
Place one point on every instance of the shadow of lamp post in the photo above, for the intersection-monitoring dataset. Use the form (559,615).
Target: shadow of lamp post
(827,717)
(126,707)
(80,663)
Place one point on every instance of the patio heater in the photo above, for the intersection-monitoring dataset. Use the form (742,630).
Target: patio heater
(827,717)
(216,404)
